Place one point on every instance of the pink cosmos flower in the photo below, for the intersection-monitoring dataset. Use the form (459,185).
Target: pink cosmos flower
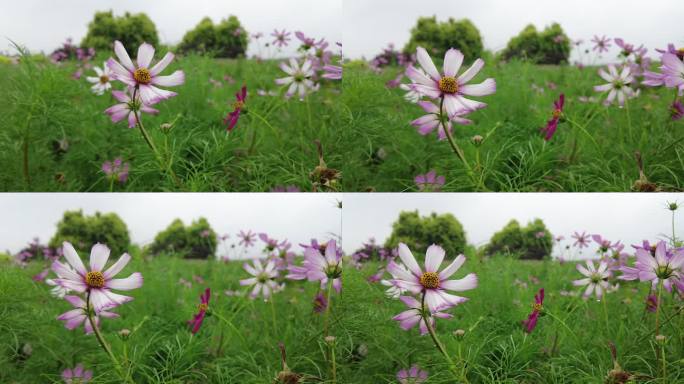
(673,71)
(447,86)
(618,84)
(129,108)
(552,124)
(117,170)
(142,77)
(98,284)
(429,181)
(320,303)
(677,110)
(432,283)
(77,375)
(596,280)
(531,322)
(332,72)
(319,267)
(581,240)
(281,38)
(232,118)
(79,315)
(413,375)
(414,315)
(263,278)
(196,322)
(307,42)
(663,267)
(652,303)
(604,244)
(431,121)
(247,239)
(602,43)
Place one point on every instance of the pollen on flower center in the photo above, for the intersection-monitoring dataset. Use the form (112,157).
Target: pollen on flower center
(238,104)
(104,79)
(430,280)
(537,307)
(142,76)
(448,85)
(95,279)
(202,307)
(556,113)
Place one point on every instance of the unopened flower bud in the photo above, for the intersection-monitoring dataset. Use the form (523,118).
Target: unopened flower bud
(660,338)
(477,139)
(124,333)
(459,333)
(166,127)
(330,339)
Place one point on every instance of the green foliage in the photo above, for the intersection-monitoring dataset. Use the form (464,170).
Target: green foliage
(437,37)
(85,231)
(131,29)
(533,241)
(420,232)
(196,241)
(225,39)
(5,258)
(551,46)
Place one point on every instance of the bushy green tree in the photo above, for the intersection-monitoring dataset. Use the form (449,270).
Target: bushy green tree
(131,29)
(551,46)
(437,37)
(420,232)
(533,241)
(85,231)
(225,39)
(195,241)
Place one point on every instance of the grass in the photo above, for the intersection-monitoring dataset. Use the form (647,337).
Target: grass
(595,153)
(43,105)
(162,350)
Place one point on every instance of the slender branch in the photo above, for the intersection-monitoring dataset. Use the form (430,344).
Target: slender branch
(327,308)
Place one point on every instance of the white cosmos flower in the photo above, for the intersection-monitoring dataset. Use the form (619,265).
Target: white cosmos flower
(596,280)
(298,79)
(618,84)
(263,279)
(101,82)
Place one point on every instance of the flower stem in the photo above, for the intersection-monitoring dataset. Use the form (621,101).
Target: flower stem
(327,308)
(629,119)
(273,316)
(584,130)
(605,311)
(436,341)
(457,150)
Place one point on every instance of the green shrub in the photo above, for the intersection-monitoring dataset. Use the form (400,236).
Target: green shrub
(551,46)
(533,241)
(438,37)
(225,39)
(196,241)
(131,29)
(420,232)
(85,231)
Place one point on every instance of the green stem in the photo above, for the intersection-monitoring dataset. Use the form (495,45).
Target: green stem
(141,127)
(273,316)
(231,326)
(327,308)
(333,368)
(457,150)
(546,312)
(629,120)
(435,340)
(605,311)
(263,120)
(581,128)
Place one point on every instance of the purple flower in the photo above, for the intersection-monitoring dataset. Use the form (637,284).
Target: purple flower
(128,107)
(673,71)
(332,72)
(604,244)
(319,267)
(552,124)
(431,121)
(116,170)
(413,375)
(429,181)
(281,38)
(602,43)
(581,240)
(320,303)
(232,118)
(414,315)
(677,110)
(197,320)
(247,239)
(79,315)
(77,375)
(531,322)
(652,303)
(663,267)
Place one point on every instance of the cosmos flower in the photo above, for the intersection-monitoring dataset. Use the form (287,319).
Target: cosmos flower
(581,240)
(298,79)
(604,244)
(431,121)
(142,77)
(531,322)
(415,315)
(332,72)
(429,181)
(319,267)
(677,110)
(232,118)
(116,170)
(413,375)
(127,107)
(673,71)
(552,124)
(601,43)
(79,315)
(393,291)
(595,279)
(263,278)
(668,269)
(307,42)
(320,303)
(100,82)
(247,239)
(618,84)
(412,94)
(196,322)
(77,375)
(281,38)
(447,86)
(432,283)
(98,284)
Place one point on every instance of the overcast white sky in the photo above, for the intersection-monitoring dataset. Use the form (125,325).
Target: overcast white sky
(45,24)
(293,216)
(370,24)
(629,217)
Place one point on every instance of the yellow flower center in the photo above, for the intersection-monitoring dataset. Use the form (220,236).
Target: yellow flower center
(238,104)
(430,280)
(556,113)
(448,85)
(104,79)
(537,307)
(202,307)
(142,76)
(95,279)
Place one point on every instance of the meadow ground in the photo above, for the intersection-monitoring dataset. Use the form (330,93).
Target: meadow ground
(592,150)
(68,136)
(569,345)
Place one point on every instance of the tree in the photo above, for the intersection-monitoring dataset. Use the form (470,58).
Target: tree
(85,231)
(131,29)
(196,241)
(533,241)
(420,232)
(551,46)
(438,37)
(225,39)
